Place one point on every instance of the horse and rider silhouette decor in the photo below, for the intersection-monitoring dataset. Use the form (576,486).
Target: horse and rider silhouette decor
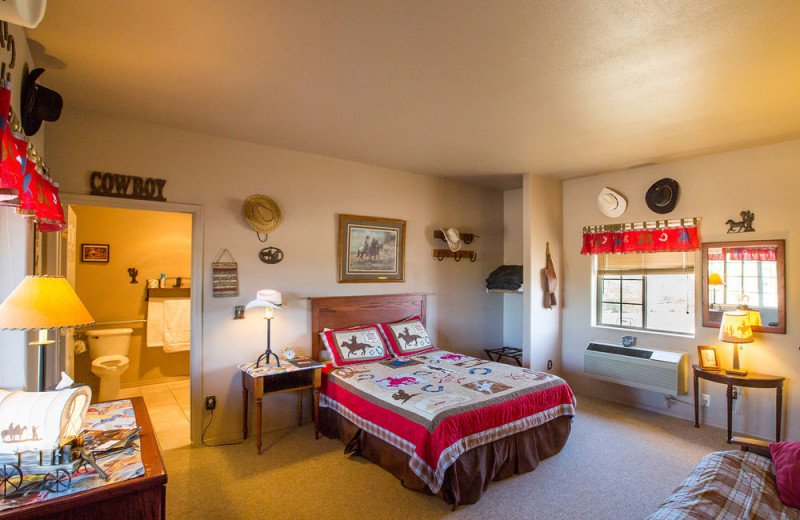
(743,226)
(371,249)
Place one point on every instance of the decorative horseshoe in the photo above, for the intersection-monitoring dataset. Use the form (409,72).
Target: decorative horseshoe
(440,256)
(473,257)
(266,236)
(457,256)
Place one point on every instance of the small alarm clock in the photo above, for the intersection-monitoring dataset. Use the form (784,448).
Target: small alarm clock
(289,353)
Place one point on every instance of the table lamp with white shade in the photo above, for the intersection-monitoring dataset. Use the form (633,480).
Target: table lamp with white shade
(735,328)
(43,302)
(269,299)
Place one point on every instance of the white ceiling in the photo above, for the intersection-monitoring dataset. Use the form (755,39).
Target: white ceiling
(475,89)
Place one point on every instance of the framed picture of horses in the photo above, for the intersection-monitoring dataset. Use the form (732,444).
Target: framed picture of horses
(371,249)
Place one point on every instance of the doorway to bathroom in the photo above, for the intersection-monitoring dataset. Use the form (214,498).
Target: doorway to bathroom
(137,270)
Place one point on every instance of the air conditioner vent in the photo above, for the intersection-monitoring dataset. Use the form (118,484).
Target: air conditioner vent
(658,370)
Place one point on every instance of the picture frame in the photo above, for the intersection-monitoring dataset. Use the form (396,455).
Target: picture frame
(709,357)
(95,253)
(371,249)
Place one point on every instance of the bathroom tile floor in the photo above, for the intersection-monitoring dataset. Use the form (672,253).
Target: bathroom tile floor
(168,406)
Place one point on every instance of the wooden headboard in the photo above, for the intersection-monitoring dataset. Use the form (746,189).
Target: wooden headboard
(339,312)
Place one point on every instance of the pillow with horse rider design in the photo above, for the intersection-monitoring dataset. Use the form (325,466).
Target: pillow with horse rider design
(407,337)
(356,345)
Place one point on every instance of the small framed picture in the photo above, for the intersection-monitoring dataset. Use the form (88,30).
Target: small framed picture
(94,252)
(709,360)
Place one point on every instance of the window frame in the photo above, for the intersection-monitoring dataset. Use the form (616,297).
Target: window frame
(599,301)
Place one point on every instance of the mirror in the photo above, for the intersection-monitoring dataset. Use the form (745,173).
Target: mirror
(745,275)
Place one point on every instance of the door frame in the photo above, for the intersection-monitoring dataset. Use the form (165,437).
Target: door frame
(196,335)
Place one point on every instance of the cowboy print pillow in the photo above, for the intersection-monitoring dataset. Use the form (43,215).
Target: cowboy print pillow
(356,345)
(407,337)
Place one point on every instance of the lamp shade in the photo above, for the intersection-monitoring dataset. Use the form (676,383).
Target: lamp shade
(43,302)
(735,327)
(715,279)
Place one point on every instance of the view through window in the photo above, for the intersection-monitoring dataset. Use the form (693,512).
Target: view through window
(650,291)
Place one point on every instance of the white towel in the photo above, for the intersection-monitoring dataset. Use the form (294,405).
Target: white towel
(155,322)
(177,324)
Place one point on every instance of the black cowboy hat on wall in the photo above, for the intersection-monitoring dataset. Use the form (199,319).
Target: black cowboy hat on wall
(38,103)
(663,195)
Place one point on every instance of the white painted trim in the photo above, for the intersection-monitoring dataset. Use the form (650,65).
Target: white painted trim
(196,349)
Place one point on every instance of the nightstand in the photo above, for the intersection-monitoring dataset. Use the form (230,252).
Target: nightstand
(751,380)
(300,375)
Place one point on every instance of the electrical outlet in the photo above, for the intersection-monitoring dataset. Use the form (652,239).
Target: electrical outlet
(706,400)
(549,364)
(211,402)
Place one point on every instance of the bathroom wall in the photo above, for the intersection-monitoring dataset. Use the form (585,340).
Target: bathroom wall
(153,242)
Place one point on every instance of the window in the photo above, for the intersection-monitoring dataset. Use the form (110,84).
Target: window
(649,291)
(749,276)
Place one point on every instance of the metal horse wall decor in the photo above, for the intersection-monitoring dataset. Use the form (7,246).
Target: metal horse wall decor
(743,226)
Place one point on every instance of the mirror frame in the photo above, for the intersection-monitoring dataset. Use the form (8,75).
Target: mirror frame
(780,245)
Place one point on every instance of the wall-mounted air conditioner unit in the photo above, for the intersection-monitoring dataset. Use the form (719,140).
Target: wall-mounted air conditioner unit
(658,370)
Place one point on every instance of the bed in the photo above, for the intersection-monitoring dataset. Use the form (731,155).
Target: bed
(454,425)
(728,485)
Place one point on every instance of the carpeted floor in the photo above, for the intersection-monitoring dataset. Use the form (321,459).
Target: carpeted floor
(619,463)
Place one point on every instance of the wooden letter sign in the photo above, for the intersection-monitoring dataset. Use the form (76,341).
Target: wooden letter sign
(126,186)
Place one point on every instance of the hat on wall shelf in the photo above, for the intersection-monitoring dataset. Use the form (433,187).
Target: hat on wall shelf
(662,195)
(262,213)
(611,203)
(27,13)
(38,103)
(453,238)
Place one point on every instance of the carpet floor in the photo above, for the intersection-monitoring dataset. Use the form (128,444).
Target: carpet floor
(619,463)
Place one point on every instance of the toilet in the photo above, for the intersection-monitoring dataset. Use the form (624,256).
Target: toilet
(108,350)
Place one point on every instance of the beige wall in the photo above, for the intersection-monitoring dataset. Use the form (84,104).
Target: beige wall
(541,216)
(764,180)
(512,255)
(311,190)
(152,242)
(18,362)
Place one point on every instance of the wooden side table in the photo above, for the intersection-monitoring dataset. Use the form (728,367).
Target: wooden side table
(751,380)
(273,382)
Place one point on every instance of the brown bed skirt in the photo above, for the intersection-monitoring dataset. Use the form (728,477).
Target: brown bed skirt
(467,479)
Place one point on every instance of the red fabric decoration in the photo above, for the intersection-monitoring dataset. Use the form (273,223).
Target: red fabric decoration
(641,241)
(764,254)
(13,150)
(786,456)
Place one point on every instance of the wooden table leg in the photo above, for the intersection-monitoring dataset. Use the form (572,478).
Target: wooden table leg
(299,408)
(778,411)
(316,413)
(244,407)
(696,404)
(730,413)
(258,424)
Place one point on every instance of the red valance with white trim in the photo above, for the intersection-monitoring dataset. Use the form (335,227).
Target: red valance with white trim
(24,183)
(617,239)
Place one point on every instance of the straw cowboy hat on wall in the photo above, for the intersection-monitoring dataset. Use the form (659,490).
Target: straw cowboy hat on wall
(262,213)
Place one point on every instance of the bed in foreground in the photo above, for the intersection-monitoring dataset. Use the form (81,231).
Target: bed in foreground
(443,423)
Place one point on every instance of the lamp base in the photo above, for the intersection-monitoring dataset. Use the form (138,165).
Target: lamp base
(265,358)
(736,371)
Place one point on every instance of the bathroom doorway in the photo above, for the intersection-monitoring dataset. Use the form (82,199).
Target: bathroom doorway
(136,266)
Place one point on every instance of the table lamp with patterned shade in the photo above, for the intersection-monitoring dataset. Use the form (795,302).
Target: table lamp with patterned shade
(43,302)
(269,299)
(735,328)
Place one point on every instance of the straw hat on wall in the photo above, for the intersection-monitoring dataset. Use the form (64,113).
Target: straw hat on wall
(262,213)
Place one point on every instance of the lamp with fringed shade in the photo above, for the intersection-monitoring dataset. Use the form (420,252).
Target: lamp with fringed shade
(735,328)
(43,302)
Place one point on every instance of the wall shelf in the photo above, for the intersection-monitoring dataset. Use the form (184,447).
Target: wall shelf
(441,254)
(466,237)
(518,291)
